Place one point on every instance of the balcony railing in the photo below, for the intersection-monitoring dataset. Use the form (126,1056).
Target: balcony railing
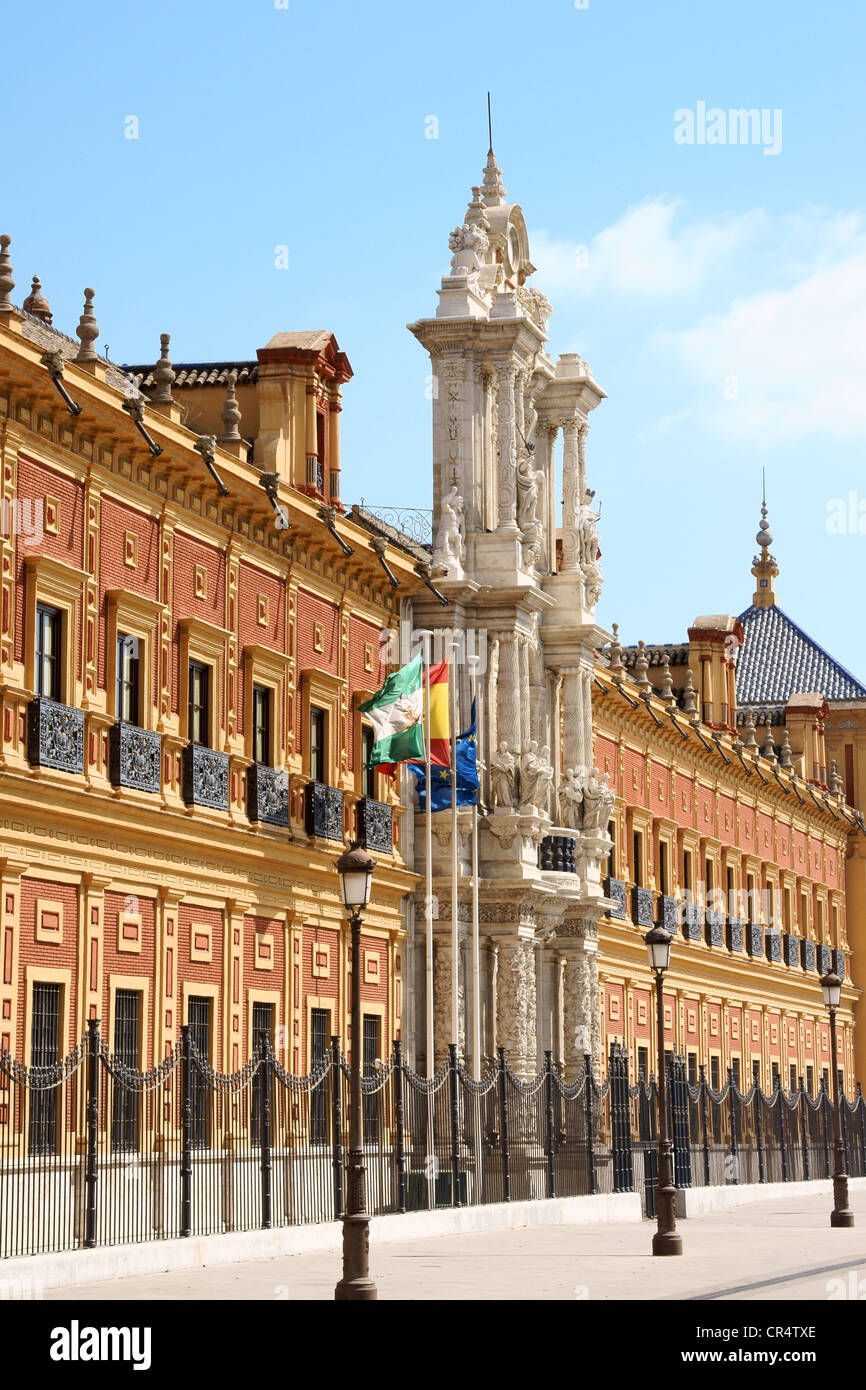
(324,811)
(774,946)
(134,757)
(755,940)
(734,934)
(375,825)
(667,913)
(807,954)
(839,963)
(693,921)
(715,927)
(205,777)
(268,794)
(55,735)
(791,949)
(825,959)
(641,906)
(615,888)
(556,854)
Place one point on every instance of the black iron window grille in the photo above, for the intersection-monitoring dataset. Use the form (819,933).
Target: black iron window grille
(319,1023)
(371,1102)
(49,626)
(44,1052)
(127,678)
(263,1022)
(199,1032)
(124,1116)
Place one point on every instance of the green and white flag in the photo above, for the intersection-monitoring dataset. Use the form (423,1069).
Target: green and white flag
(397,715)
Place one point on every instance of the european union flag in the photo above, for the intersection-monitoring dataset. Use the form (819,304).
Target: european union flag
(467,775)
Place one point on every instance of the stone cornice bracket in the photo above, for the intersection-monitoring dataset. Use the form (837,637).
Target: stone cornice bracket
(206,446)
(271,482)
(329,516)
(424,573)
(54,362)
(134,407)
(379,545)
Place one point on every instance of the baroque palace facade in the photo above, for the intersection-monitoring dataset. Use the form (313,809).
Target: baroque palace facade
(189,624)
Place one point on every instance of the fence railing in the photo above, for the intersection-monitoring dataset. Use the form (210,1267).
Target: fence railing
(95,1152)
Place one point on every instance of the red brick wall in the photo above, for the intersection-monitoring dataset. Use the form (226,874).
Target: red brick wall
(35,481)
(327,987)
(362,635)
(116,962)
(188,553)
(606,758)
(115,520)
(254,978)
(60,956)
(634,788)
(312,610)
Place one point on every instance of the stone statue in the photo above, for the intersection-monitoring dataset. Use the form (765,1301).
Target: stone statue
(598,802)
(469,243)
(529,480)
(449,533)
(545,790)
(530,775)
(502,771)
(588,532)
(570,801)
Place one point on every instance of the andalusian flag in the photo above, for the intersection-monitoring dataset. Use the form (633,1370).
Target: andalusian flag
(397,715)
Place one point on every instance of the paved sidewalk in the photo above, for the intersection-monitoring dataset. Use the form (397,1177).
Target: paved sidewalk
(770,1250)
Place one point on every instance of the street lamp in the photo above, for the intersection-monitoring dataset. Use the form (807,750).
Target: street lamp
(667,1240)
(355,868)
(841,1215)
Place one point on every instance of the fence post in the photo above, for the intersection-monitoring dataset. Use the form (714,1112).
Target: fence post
(780,1102)
(186,1132)
(548,1122)
(400,1123)
(90,1169)
(337,1125)
(843,1127)
(503,1104)
(455,1125)
(756,1102)
(590,1124)
(265,1064)
(705,1128)
(732,1101)
(804,1125)
(824,1108)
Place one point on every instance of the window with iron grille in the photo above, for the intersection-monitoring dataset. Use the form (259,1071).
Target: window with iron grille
(317,744)
(44,1052)
(810,1081)
(49,627)
(371,1052)
(127,678)
(124,1108)
(199,1032)
(368,774)
(199,690)
(693,1068)
(792,1076)
(735,1071)
(715,1082)
(663,867)
(263,1021)
(826,1077)
(776,1076)
(262,725)
(320,1020)
(643,1063)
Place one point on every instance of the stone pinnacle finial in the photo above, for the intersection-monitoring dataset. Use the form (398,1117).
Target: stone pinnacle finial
(87,330)
(750,740)
(785,759)
(492,185)
(7,284)
(163,374)
(835,783)
(690,699)
(764,566)
(616,667)
(231,411)
(641,666)
(36,304)
(768,747)
(667,688)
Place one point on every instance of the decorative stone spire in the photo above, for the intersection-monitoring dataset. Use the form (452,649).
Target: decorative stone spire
(36,304)
(764,566)
(750,740)
(835,784)
(641,666)
(7,284)
(494,189)
(231,411)
(616,668)
(768,747)
(667,687)
(163,374)
(785,759)
(87,330)
(690,699)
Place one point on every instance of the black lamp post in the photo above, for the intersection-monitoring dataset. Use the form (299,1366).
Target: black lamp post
(841,1215)
(667,1240)
(355,868)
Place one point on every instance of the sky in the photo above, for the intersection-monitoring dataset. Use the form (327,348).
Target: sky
(226,170)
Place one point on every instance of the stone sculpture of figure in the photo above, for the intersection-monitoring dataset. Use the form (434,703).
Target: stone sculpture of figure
(588,531)
(530,774)
(598,802)
(449,533)
(502,769)
(545,791)
(528,479)
(468,243)
(570,801)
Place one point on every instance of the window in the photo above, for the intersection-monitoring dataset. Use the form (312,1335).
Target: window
(753,909)
(714,1073)
(663,867)
(643,1063)
(127,678)
(124,1111)
(825,1077)
(44,1052)
(693,1068)
(687,870)
(611,856)
(261,724)
(820,924)
(709,879)
(368,774)
(48,648)
(810,1080)
(263,1021)
(199,692)
(787,910)
(319,1023)
(804,915)
(776,1077)
(792,1076)
(371,1052)
(732,894)
(735,1071)
(321,448)
(637,858)
(199,1032)
(317,744)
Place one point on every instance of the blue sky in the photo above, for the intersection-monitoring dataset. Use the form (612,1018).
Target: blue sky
(720,297)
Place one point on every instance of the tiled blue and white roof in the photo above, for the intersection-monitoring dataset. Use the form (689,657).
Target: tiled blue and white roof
(778,660)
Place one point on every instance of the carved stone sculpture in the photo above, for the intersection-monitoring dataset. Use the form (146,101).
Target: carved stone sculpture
(570,801)
(530,775)
(449,534)
(545,789)
(598,802)
(502,772)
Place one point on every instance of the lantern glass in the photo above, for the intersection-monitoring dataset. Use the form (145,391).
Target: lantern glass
(355,888)
(658,945)
(831,986)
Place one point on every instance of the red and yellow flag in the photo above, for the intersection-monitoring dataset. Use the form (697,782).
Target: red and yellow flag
(440,729)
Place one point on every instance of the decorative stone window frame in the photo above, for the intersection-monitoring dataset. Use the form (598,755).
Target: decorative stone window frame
(732,859)
(263,666)
(359,723)
(640,822)
(788,891)
(665,833)
(822,915)
(139,618)
(753,867)
(688,842)
(197,989)
(141,985)
(263,996)
(53,906)
(838,929)
(710,852)
(322,690)
(368,1006)
(805,889)
(46,975)
(208,644)
(58,585)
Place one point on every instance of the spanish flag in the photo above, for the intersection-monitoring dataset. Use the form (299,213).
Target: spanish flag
(440,731)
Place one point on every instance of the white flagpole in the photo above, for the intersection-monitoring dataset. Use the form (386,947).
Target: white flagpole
(455,1010)
(426,635)
(476,952)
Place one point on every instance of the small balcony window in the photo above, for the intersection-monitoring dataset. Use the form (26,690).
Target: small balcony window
(48,652)
(127,678)
(262,725)
(199,701)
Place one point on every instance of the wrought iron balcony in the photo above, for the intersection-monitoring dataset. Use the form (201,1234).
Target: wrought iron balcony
(324,811)
(839,963)
(134,757)
(791,949)
(205,777)
(825,959)
(268,794)
(715,927)
(615,888)
(755,940)
(693,921)
(667,913)
(641,906)
(734,934)
(774,945)
(807,955)
(375,825)
(55,735)
(556,854)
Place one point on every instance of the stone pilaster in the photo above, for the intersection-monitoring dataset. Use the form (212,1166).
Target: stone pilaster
(507,440)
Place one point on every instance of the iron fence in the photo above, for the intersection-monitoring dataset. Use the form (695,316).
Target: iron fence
(96,1152)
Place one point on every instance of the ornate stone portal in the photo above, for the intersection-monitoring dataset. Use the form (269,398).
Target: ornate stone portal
(499,405)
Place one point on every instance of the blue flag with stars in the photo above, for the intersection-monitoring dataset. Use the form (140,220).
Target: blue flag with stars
(467,775)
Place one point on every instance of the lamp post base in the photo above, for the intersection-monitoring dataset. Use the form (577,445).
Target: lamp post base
(356,1286)
(667,1243)
(841,1218)
(841,1215)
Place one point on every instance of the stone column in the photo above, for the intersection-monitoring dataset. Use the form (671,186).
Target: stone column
(574,748)
(508,694)
(582,433)
(572,492)
(578,935)
(516,1021)
(506,469)
(525,703)
(442,977)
